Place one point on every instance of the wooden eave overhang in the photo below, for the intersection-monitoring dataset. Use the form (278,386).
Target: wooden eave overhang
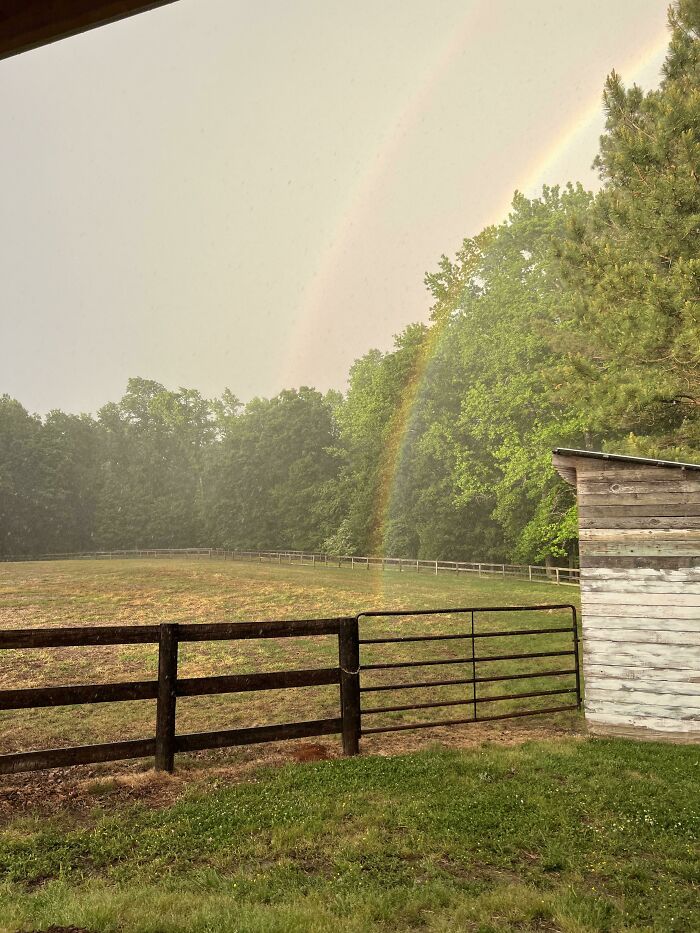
(27,24)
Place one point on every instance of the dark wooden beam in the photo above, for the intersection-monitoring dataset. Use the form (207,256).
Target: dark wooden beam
(27,24)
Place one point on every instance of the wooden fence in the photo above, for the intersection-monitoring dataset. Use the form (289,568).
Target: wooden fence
(535,573)
(168,687)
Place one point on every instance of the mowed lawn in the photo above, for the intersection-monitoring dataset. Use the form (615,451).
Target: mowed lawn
(568,835)
(130,592)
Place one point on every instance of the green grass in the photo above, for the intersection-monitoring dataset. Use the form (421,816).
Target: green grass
(572,836)
(135,591)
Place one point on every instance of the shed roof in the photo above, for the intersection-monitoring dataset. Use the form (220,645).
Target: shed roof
(622,458)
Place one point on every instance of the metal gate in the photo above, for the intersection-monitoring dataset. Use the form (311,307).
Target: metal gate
(492,654)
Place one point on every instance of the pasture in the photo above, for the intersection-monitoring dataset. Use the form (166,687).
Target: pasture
(129,592)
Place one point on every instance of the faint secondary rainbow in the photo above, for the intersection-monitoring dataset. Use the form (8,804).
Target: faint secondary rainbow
(535,175)
(359,197)
(567,135)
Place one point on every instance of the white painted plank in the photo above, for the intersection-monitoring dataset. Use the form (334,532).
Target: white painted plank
(640,636)
(639,610)
(598,651)
(646,596)
(660,723)
(648,712)
(649,675)
(595,625)
(643,698)
(634,587)
(689,547)
(632,574)
(624,685)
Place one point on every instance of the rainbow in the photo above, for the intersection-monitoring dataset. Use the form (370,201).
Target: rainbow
(360,201)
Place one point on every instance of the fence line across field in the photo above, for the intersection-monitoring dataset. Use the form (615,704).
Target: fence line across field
(345,673)
(537,573)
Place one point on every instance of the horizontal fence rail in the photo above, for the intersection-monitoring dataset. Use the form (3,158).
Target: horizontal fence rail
(349,675)
(534,573)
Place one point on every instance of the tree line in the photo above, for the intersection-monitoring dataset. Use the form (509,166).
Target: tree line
(575,322)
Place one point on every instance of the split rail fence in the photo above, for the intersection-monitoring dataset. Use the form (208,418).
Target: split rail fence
(346,674)
(533,572)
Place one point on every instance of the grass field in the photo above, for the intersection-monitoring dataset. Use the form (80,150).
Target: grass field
(131,592)
(524,825)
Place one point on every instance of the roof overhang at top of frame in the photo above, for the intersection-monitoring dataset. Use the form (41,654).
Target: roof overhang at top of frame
(27,24)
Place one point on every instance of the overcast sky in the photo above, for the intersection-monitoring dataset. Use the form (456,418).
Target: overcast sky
(248,194)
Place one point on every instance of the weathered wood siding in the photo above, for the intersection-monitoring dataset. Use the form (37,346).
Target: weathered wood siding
(640,594)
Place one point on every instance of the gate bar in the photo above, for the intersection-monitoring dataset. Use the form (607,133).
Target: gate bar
(460,722)
(529,631)
(511,696)
(479,680)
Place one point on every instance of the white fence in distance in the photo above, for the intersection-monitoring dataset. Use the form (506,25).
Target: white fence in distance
(533,572)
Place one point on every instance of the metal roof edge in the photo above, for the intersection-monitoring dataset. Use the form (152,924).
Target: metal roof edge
(623,458)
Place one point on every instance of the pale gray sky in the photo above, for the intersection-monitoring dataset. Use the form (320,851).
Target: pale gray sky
(248,194)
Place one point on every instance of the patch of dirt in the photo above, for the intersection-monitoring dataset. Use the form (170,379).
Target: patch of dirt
(55,929)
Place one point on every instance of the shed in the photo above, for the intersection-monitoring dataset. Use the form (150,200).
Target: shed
(639,526)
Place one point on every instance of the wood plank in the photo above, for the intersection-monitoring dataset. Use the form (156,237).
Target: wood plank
(590,562)
(78,636)
(638,610)
(651,574)
(273,680)
(616,683)
(639,508)
(598,625)
(230,631)
(646,597)
(617,587)
(76,755)
(639,535)
(624,486)
(683,547)
(627,673)
(639,636)
(648,699)
(599,651)
(197,741)
(639,521)
(664,496)
(642,732)
(625,473)
(35,697)
(605,708)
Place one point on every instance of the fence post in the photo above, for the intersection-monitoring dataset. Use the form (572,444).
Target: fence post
(557,574)
(165,710)
(349,662)
(436,563)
